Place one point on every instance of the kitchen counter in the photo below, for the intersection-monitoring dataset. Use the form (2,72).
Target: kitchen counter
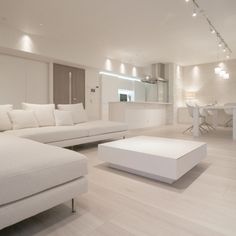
(139,114)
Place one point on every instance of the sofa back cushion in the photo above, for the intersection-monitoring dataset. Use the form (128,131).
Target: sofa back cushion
(78,112)
(44,113)
(5,123)
(63,118)
(22,119)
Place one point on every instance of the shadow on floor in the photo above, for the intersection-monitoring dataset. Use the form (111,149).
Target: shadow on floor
(179,186)
(44,223)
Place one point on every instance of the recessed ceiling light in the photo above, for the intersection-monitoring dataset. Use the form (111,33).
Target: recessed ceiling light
(41,24)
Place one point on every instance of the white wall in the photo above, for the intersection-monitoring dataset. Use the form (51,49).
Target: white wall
(92,99)
(207,85)
(118,67)
(23,80)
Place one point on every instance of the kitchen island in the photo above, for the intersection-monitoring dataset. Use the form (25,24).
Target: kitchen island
(140,114)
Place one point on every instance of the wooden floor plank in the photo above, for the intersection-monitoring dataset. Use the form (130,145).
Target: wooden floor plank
(201,203)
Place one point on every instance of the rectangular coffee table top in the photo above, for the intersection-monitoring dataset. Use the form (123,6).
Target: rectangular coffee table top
(164,147)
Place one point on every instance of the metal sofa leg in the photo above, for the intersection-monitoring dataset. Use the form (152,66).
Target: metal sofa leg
(73,205)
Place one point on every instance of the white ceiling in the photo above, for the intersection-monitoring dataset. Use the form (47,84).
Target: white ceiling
(134,31)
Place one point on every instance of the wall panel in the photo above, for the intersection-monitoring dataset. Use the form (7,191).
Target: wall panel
(23,80)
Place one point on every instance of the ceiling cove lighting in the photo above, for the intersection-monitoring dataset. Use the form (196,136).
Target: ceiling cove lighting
(197,9)
(119,76)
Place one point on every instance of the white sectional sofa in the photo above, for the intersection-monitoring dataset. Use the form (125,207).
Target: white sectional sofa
(34,176)
(66,127)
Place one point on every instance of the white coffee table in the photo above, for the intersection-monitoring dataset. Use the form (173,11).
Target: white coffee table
(157,158)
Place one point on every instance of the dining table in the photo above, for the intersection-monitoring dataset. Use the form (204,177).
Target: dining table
(214,110)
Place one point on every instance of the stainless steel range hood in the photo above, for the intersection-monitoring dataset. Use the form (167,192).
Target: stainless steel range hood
(157,74)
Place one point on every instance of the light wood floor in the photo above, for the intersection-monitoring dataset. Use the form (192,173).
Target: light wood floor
(203,202)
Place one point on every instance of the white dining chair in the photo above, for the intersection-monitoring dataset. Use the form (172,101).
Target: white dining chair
(190,107)
(229,111)
(204,113)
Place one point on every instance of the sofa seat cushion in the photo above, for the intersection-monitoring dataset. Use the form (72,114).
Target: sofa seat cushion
(100,127)
(29,167)
(51,134)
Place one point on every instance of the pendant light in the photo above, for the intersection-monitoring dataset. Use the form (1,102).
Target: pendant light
(217,70)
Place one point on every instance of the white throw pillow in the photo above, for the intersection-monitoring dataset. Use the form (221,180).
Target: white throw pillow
(44,113)
(77,110)
(63,118)
(5,123)
(23,119)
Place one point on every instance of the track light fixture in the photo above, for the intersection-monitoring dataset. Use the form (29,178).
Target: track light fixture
(194,13)
(212,30)
(221,42)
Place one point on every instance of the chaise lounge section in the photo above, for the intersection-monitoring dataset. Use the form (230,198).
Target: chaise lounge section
(35,177)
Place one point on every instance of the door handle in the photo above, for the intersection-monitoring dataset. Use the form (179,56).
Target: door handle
(70,87)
